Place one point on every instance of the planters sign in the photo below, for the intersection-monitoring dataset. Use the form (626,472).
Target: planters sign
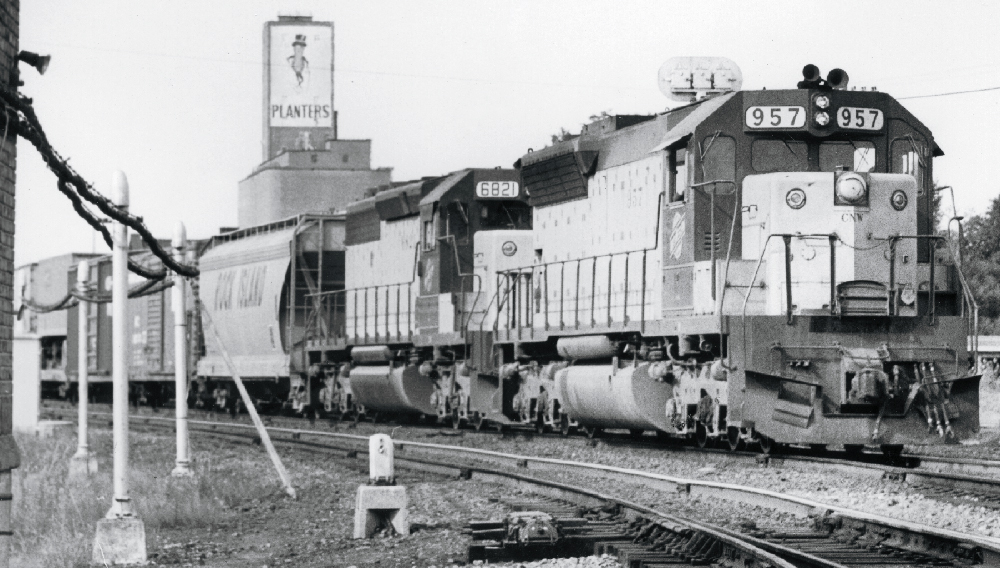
(300,75)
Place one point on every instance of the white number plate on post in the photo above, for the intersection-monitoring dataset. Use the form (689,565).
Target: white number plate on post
(498,189)
(776,117)
(860,118)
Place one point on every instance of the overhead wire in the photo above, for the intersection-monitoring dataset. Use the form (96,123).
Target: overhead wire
(983,90)
(75,187)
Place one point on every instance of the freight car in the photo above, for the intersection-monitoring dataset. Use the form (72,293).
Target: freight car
(754,265)
(39,331)
(149,332)
(421,262)
(260,288)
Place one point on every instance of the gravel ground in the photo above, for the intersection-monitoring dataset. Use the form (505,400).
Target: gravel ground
(885,497)
(855,491)
(272,530)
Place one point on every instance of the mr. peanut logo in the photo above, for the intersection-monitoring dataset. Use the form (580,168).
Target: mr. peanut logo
(298,61)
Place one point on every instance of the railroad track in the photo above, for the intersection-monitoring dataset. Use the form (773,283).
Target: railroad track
(839,536)
(945,478)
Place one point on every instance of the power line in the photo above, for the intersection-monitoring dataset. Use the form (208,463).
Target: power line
(349,70)
(346,70)
(948,94)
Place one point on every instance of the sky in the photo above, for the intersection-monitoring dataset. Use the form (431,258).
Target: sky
(171,92)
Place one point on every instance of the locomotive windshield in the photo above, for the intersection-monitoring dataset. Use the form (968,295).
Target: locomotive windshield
(509,215)
(789,155)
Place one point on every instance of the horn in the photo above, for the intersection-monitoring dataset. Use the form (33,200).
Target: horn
(39,62)
(837,79)
(810,73)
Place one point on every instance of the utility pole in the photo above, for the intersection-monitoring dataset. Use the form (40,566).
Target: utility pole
(121,536)
(179,302)
(83,462)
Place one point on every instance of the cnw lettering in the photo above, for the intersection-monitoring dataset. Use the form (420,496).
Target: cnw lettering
(251,288)
(856,217)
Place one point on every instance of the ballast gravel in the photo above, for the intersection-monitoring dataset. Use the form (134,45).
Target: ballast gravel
(867,492)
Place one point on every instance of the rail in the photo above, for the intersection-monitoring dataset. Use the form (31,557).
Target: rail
(407,451)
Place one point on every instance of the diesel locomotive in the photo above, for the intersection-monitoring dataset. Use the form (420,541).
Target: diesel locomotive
(755,266)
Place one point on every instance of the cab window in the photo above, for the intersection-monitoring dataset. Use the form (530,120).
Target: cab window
(849,155)
(504,215)
(718,158)
(909,157)
(429,237)
(769,155)
(678,175)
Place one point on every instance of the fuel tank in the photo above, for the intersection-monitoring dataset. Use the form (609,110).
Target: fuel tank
(382,388)
(605,397)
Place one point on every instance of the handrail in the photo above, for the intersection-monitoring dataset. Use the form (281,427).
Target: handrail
(543,268)
(967,295)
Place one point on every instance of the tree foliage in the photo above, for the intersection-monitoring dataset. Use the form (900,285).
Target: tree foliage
(981,262)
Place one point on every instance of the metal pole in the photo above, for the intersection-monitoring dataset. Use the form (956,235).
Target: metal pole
(82,462)
(261,430)
(121,506)
(788,276)
(892,276)
(833,274)
(179,301)
(931,287)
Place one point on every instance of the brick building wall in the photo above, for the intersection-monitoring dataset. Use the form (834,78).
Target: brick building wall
(9,458)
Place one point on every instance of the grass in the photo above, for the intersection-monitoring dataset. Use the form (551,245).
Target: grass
(55,516)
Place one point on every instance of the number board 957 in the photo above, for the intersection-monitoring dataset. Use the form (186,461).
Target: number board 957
(497,189)
(776,117)
(860,118)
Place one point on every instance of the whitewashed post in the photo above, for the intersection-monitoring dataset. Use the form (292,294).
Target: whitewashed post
(83,462)
(179,301)
(121,536)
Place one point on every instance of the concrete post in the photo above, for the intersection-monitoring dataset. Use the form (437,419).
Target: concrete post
(83,462)
(121,536)
(381,502)
(179,301)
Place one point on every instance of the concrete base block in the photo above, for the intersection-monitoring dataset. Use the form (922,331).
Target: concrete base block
(47,428)
(120,541)
(82,465)
(378,506)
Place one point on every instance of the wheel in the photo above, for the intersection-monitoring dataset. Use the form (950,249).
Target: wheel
(564,428)
(853,450)
(456,422)
(733,439)
(767,445)
(499,427)
(701,435)
(636,433)
(540,426)
(892,450)
(592,431)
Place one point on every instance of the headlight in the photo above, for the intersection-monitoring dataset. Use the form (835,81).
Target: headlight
(822,101)
(851,188)
(822,118)
(795,198)
(509,248)
(899,200)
